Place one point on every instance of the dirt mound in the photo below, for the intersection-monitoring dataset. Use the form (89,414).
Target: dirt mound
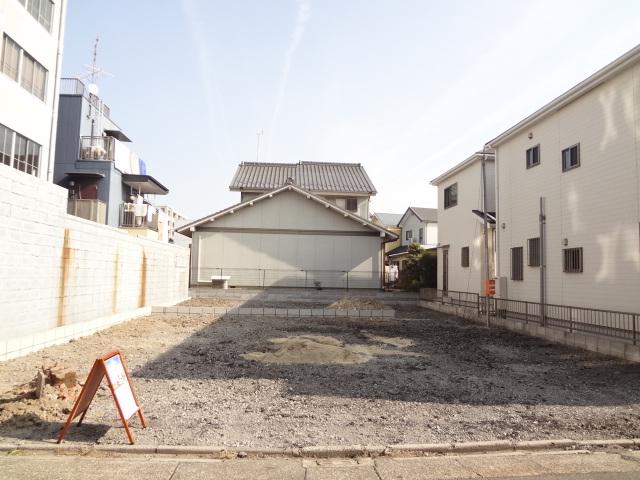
(357,303)
(209,302)
(319,349)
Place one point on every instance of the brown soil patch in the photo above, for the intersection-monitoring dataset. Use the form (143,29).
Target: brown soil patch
(318,349)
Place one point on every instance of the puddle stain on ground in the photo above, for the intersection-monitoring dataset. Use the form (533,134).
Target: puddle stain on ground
(319,349)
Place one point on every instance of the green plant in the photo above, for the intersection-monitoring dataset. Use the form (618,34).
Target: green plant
(420,269)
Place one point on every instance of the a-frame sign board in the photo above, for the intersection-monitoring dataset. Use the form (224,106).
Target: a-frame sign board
(113,368)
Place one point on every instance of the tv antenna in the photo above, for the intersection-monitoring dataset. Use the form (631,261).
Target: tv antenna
(93,71)
(259,134)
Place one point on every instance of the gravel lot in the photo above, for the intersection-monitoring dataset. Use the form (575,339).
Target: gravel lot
(424,377)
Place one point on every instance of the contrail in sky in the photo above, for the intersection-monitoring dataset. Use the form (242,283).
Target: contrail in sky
(302,17)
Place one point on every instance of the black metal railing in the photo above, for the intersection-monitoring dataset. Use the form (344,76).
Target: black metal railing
(273,277)
(609,323)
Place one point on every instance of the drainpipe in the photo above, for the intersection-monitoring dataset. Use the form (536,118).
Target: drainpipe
(56,94)
(543,261)
(485,235)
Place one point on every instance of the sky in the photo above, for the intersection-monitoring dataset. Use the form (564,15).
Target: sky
(407,88)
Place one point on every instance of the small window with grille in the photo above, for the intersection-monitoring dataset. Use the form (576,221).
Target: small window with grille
(572,260)
(464,257)
(516,263)
(534,252)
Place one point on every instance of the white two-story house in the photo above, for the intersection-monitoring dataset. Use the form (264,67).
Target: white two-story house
(461,253)
(417,225)
(578,160)
(297,225)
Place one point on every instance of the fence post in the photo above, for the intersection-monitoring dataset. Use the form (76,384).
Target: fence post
(570,321)
(478,304)
(263,274)
(635,330)
(526,313)
(305,279)
(347,279)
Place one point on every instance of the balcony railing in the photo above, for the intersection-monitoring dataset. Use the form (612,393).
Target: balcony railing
(73,86)
(93,210)
(136,215)
(97,148)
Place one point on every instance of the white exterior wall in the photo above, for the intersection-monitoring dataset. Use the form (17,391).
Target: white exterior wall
(287,235)
(459,227)
(429,231)
(595,206)
(21,111)
(62,276)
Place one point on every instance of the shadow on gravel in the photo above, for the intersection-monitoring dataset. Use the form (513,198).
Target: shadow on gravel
(460,362)
(31,427)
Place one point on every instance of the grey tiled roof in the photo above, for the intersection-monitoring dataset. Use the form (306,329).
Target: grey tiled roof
(426,214)
(312,176)
(389,218)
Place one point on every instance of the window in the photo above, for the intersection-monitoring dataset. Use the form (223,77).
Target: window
(6,141)
(533,156)
(464,257)
(26,155)
(41,10)
(409,235)
(535,255)
(32,76)
(516,263)
(451,196)
(10,58)
(351,204)
(572,260)
(571,157)
(421,236)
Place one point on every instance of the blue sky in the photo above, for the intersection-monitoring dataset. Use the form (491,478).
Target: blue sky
(407,88)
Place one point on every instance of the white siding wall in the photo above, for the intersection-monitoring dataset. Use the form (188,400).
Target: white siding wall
(595,206)
(289,234)
(429,231)
(459,227)
(20,110)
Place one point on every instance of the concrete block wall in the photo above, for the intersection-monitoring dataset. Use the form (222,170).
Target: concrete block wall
(69,275)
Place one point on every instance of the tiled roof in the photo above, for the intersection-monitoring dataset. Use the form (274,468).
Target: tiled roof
(312,176)
(389,219)
(426,214)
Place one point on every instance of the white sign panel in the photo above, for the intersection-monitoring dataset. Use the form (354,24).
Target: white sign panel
(122,389)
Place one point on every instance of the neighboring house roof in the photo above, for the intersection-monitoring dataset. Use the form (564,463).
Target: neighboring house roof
(186,229)
(584,87)
(423,214)
(389,219)
(311,176)
(401,250)
(476,157)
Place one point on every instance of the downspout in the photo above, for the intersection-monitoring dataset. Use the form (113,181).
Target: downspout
(56,94)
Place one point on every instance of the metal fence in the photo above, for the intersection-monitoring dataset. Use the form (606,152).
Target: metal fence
(609,323)
(271,277)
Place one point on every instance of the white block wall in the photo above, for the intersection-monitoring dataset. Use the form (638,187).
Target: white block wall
(60,273)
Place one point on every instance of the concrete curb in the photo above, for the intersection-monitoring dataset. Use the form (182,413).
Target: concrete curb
(325,451)
(175,311)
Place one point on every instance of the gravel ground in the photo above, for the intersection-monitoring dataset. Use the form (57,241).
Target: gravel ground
(429,377)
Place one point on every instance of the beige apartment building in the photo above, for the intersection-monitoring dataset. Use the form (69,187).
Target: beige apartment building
(580,156)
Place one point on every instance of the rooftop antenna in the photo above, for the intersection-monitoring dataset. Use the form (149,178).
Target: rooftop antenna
(259,134)
(92,72)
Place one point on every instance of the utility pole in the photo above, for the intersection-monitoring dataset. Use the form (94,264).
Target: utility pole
(485,235)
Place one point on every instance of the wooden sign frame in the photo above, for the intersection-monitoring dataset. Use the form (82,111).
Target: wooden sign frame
(99,371)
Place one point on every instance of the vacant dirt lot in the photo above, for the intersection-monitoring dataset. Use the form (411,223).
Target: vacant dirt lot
(421,377)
